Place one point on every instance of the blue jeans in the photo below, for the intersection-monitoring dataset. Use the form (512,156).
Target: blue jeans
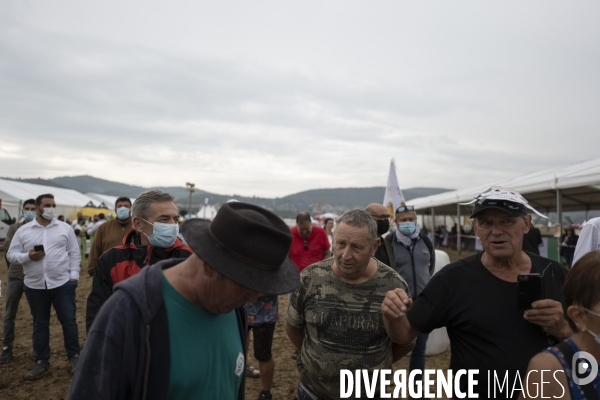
(417,356)
(62,299)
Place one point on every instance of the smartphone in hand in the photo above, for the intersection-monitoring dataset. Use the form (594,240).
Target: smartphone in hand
(529,289)
(38,248)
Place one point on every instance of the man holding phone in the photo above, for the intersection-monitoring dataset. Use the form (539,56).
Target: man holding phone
(49,253)
(476,298)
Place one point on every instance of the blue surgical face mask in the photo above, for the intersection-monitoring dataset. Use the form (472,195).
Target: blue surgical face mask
(122,212)
(596,336)
(164,235)
(29,215)
(408,228)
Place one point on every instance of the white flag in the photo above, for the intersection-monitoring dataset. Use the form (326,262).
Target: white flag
(393,197)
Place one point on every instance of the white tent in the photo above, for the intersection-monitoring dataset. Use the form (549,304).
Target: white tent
(208,212)
(576,187)
(572,188)
(14,193)
(109,201)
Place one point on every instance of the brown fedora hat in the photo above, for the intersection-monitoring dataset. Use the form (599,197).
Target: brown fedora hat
(247,244)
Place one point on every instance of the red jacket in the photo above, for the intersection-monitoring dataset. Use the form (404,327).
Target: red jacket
(122,262)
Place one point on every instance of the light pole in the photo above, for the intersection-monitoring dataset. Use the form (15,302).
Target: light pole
(190,188)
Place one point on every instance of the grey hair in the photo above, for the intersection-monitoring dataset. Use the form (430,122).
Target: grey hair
(142,204)
(360,219)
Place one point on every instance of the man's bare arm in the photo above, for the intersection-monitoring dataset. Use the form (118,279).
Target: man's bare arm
(296,335)
(400,351)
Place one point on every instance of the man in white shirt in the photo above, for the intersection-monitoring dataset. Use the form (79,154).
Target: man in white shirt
(589,239)
(91,231)
(51,275)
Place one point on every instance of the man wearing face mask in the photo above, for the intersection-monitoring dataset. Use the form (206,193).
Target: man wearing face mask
(51,274)
(385,251)
(153,238)
(415,262)
(14,286)
(111,233)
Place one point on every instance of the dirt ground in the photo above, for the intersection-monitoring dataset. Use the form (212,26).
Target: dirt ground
(55,384)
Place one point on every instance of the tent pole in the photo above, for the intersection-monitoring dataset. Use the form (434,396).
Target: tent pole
(558,231)
(458,244)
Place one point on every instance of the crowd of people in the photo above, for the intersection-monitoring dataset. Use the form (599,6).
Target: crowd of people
(170,312)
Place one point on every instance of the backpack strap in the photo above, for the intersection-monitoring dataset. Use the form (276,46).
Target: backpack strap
(429,245)
(588,390)
(390,238)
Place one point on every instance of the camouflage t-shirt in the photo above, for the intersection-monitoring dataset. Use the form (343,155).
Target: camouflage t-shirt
(343,325)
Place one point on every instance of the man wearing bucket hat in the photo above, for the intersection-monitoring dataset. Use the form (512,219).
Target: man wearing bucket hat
(177,329)
(476,300)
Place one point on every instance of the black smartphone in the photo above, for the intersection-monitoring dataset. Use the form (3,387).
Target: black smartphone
(530,288)
(39,247)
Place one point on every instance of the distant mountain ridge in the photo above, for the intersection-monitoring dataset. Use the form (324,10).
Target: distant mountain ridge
(319,201)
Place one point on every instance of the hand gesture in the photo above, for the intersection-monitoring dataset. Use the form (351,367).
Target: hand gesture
(396,304)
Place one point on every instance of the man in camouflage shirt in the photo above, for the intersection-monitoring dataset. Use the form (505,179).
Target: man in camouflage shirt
(334,316)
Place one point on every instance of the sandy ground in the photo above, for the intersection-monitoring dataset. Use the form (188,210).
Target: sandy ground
(55,384)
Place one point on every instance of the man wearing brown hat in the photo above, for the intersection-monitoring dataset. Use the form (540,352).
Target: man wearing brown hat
(177,329)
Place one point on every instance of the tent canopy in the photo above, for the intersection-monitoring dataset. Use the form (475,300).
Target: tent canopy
(108,200)
(208,211)
(13,193)
(579,186)
(91,211)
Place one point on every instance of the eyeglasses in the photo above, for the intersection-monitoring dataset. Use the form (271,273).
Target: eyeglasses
(402,209)
(500,203)
(305,244)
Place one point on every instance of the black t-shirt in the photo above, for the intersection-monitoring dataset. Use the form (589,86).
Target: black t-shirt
(487,331)
(532,241)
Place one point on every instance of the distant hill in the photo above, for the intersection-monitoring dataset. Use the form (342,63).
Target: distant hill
(315,201)
(355,197)
(87,184)
(90,184)
(39,181)
(339,200)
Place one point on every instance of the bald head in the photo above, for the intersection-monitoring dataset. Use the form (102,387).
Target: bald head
(381,216)
(376,209)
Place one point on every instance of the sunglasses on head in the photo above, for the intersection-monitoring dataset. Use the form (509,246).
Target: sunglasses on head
(501,203)
(402,209)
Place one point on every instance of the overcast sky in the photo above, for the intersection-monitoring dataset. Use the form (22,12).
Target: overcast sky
(270,98)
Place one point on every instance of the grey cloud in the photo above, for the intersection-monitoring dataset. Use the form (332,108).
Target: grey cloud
(465,96)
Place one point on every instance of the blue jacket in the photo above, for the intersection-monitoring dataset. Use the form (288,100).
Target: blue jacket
(127,354)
